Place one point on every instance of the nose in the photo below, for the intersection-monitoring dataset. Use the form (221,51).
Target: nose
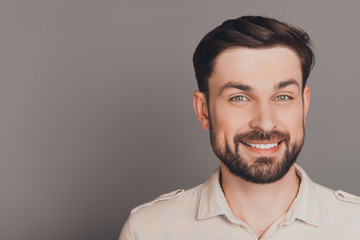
(263,118)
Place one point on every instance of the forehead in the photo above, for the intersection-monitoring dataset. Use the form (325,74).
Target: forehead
(259,68)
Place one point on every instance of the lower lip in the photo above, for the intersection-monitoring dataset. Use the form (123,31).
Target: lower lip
(264,151)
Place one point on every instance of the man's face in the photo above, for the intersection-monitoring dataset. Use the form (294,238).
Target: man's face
(256,111)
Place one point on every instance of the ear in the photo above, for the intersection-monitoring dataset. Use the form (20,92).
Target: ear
(201,109)
(306,99)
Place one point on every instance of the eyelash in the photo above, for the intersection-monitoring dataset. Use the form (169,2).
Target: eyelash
(236,99)
(283,100)
(277,98)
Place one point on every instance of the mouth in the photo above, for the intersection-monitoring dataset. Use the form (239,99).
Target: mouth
(262,145)
(263,148)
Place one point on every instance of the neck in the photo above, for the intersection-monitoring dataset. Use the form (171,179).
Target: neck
(259,205)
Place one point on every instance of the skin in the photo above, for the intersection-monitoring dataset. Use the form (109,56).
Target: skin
(272,99)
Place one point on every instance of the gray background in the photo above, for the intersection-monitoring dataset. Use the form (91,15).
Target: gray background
(96,106)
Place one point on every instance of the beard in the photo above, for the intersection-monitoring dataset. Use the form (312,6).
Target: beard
(263,170)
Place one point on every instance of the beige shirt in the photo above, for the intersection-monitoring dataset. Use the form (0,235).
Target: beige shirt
(203,213)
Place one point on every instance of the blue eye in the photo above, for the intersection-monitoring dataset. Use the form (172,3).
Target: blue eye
(283,98)
(239,98)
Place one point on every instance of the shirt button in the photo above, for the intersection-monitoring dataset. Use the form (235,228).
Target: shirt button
(340,195)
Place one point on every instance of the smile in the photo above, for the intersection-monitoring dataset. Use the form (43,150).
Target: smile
(262,146)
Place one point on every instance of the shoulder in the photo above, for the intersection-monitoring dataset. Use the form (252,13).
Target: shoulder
(338,206)
(347,197)
(161,198)
(337,196)
(166,212)
(169,203)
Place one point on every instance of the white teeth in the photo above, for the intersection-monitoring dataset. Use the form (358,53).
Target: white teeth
(262,146)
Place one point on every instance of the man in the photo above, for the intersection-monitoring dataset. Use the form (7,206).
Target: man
(252,74)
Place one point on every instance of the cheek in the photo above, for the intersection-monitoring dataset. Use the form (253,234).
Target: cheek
(293,122)
(227,122)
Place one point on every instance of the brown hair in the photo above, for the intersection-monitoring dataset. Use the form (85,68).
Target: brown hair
(250,32)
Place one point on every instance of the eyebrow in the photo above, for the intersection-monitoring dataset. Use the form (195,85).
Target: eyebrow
(237,86)
(247,88)
(286,83)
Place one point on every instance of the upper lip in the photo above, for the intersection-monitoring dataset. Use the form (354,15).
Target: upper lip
(263,142)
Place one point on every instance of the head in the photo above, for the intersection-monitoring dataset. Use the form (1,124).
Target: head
(252,74)
(253,32)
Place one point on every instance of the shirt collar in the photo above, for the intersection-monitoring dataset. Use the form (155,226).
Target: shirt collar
(305,206)
(212,198)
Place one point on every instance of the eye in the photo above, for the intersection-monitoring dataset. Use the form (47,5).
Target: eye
(239,98)
(283,98)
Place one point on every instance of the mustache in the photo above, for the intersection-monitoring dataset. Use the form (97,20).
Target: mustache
(257,135)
